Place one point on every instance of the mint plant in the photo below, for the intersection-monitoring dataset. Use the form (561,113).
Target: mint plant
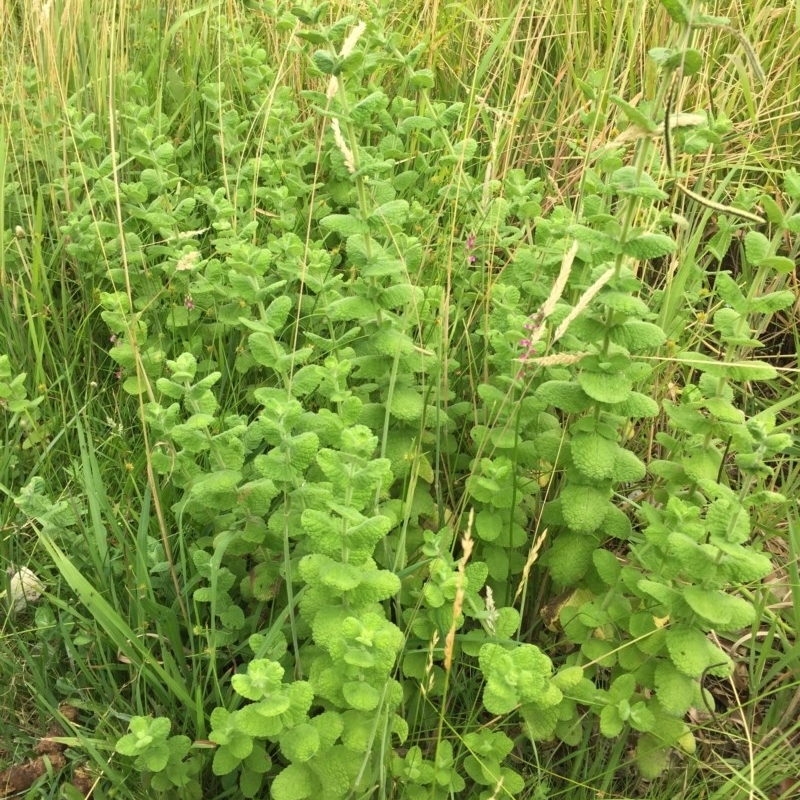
(162,757)
(377,385)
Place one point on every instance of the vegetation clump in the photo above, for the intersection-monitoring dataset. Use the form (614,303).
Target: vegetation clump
(400,418)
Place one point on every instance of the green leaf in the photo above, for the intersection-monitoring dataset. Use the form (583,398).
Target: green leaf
(649,245)
(463,153)
(780,264)
(628,181)
(628,467)
(225,761)
(677,11)
(636,335)
(295,782)
(393,213)
(564,395)
(756,247)
(594,455)
(488,525)
(675,690)
(392,342)
(633,114)
(624,303)
(423,79)
(652,758)
(262,679)
(327,64)
(344,224)
(363,111)
(346,309)
(567,678)
(584,507)
(668,597)
(637,406)
(607,566)
(360,695)
(342,577)
(569,557)
(134,385)
(406,404)
(301,743)
(728,290)
(692,653)
(702,464)
(720,610)
(217,490)
(641,717)
(605,387)
(791,183)
(737,371)
(611,722)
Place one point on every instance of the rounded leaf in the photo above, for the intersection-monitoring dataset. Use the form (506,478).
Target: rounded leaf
(584,507)
(594,456)
(605,387)
(300,743)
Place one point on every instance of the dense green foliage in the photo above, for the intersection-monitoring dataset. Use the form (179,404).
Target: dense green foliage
(358,453)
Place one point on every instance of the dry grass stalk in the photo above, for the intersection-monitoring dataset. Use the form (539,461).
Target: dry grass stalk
(467,543)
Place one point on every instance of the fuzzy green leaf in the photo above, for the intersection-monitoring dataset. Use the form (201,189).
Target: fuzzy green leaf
(605,387)
(569,557)
(722,611)
(637,406)
(668,597)
(341,577)
(360,695)
(607,566)
(262,680)
(406,404)
(584,507)
(611,722)
(791,183)
(652,758)
(677,11)
(649,245)
(392,342)
(676,691)
(393,213)
(637,336)
(564,395)
(641,717)
(633,114)
(567,678)
(692,653)
(362,112)
(594,456)
(488,525)
(216,490)
(628,468)
(702,464)
(628,181)
(344,224)
(728,290)
(756,247)
(772,302)
(300,743)
(346,309)
(295,782)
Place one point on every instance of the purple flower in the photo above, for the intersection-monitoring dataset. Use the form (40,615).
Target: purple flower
(469,246)
(187,301)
